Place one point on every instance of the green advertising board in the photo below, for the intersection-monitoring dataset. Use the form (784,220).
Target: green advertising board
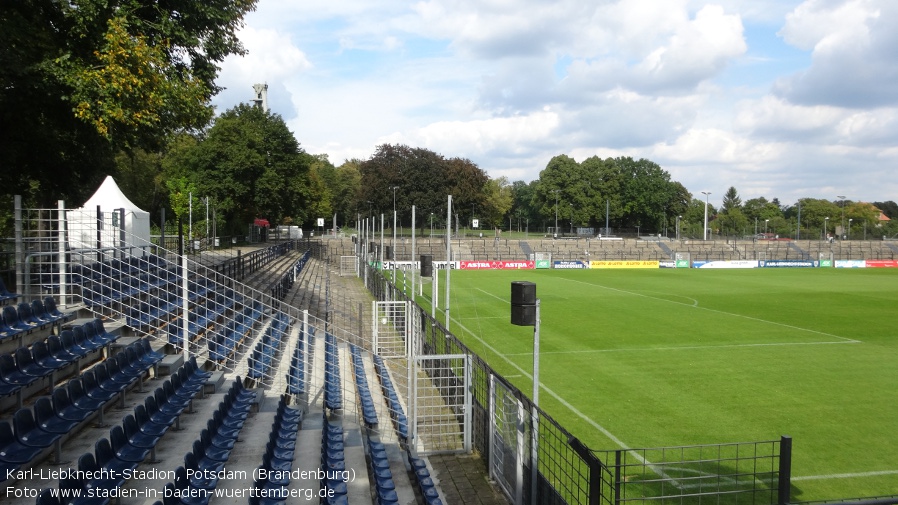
(543,264)
(826,263)
(682,263)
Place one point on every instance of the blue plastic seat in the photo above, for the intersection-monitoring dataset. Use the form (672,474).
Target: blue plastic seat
(48,420)
(65,409)
(26,364)
(29,433)
(12,450)
(123,449)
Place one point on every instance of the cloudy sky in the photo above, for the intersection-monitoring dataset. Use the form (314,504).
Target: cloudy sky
(779,98)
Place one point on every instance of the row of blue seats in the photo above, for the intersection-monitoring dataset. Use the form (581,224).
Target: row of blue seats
(333,463)
(6,295)
(133,265)
(333,391)
(105,291)
(128,444)
(424,480)
(196,481)
(225,341)
(207,312)
(279,289)
(32,432)
(163,304)
(400,421)
(369,413)
(273,479)
(296,374)
(24,319)
(28,365)
(262,358)
(379,464)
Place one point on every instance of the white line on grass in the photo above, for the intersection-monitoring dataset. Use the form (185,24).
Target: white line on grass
(846,475)
(686,347)
(620,443)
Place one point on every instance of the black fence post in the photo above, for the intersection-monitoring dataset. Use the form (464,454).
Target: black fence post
(785,470)
(618,454)
(595,469)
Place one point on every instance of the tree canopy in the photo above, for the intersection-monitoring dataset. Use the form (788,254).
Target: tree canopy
(83,80)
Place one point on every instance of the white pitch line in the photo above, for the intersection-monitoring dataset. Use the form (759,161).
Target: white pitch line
(573,409)
(846,475)
(686,347)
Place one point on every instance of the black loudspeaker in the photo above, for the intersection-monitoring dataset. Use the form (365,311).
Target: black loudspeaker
(523,315)
(523,293)
(426,265)
(523,303)
(388,252)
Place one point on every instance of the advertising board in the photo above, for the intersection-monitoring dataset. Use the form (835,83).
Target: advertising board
(789,263)
(497,265)
(882,263)
(851,264)
(624,264)
(726,264)
(570,264)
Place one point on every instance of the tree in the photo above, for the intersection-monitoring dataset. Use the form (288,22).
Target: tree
(250,165)
(731,200)
(499,200)
(82,80)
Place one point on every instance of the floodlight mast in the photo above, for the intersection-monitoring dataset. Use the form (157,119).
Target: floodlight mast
(706,193)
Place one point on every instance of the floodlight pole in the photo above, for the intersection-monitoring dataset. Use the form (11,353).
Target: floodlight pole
(706,193)
(448,254)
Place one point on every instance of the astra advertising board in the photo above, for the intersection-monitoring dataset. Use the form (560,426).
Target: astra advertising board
(882,263)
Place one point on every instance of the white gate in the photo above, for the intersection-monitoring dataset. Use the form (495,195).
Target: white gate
(441,406)
(390,329)
(508,441)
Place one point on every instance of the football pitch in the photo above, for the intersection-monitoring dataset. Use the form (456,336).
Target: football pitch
(652,358)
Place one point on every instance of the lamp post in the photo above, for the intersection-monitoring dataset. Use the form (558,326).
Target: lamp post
(765,227)
(842,219)
(707,194)
(431,224)
(555,231)
(678,227)
(848,232)
(825,223)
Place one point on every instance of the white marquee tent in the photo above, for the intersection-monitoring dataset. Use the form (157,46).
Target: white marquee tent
(132,231)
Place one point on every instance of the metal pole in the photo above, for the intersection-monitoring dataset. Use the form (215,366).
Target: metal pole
(707,194)
(60,245)
(534,429)
(413,253)
(448,254)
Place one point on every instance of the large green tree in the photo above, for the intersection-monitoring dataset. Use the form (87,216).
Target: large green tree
(250,165)
(84,79)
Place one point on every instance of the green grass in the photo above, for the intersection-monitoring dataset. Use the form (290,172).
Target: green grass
(651,358)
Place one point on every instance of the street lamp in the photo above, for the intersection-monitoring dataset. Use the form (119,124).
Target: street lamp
(849,228)
(842,219)
(431,224)
(765,227)
(825,223)
(556,211)
(706,193)
(678,226)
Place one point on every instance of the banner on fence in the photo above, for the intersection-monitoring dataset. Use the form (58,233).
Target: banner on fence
(624,264)
(726,264)
(667,264)
(402,265)
(882,263)
(543,264)
(789,263)
(851,264)
(570,264)
(441,265)
(497,265)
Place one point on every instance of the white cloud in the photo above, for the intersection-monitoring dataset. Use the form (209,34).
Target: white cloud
(854,59)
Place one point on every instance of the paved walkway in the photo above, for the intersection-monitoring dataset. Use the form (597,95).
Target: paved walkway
(462,477)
